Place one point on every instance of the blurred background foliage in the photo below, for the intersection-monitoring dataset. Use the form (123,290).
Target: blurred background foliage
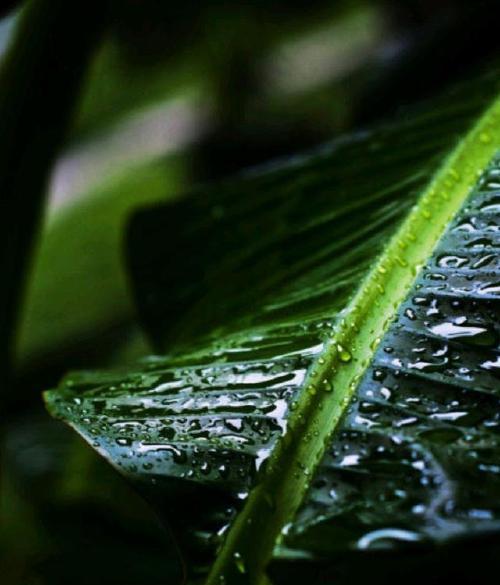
(178,95)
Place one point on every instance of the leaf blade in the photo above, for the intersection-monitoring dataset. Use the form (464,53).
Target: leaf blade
(319,413)
(273,331)
(431,391)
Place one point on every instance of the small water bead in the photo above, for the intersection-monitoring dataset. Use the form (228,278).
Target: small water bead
(491,206)
(327,386)
(238,561)
(466,226)
(484,261)
(386,537)
(481,243)
(452,261)
(344,355)
(303,468)
(476,335)
(492,365)
(493,288)
(386,393)
(405,422)
(410,313)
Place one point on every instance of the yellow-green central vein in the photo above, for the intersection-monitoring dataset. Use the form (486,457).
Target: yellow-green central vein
(337,372)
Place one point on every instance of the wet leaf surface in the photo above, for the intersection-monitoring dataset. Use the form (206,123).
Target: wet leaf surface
(245,304)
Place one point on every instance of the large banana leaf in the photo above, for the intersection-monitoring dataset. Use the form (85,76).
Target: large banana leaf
(332,334)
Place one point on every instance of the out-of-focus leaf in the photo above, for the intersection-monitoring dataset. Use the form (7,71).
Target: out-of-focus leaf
(38,92)
(78,289)
(115,91)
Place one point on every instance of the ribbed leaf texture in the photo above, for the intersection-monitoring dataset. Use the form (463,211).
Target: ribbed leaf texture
(244,284)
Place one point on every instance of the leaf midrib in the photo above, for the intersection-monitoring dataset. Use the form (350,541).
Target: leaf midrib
(283,484)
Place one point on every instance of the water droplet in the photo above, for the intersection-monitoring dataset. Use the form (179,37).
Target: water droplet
(472,334)
(385,538)
(326,385)
(344,355)
(452,261)
(238,561)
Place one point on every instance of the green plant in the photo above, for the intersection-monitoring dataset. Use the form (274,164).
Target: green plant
(331,334)
(322,404)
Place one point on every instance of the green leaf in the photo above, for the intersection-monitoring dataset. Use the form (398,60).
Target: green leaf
(330,376)
(77,291)
(38,92)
